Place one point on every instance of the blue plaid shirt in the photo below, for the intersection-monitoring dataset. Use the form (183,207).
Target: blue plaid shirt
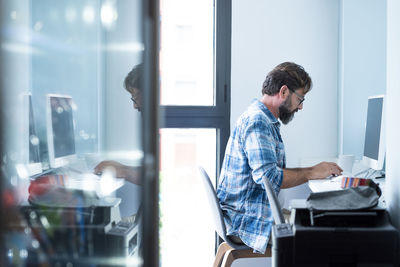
(254,149)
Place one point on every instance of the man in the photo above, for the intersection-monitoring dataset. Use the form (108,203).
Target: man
(255,149)
(133,84)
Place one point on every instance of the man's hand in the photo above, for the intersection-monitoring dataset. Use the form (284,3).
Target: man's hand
(115,167)
(324,169)
(131,174)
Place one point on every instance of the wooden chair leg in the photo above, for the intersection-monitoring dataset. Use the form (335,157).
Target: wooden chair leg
(228,258)
(234,254)
(222,249)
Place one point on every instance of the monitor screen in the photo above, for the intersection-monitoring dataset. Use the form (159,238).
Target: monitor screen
(60,133)
(374,149)
(373,128)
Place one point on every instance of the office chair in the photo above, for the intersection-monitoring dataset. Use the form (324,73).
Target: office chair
(229,250)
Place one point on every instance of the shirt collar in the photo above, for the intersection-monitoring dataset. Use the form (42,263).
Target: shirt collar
(267,112)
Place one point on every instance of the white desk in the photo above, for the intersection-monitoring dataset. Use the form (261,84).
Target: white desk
(335,184)
(322,185)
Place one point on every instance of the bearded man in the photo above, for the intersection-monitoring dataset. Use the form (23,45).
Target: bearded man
(255,149)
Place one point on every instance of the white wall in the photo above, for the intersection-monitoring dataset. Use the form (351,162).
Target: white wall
(392,188)
(122,52)
(266,33)
(15,77)
(362,65)
(122,129)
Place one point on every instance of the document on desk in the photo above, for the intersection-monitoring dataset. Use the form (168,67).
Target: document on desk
(328,184)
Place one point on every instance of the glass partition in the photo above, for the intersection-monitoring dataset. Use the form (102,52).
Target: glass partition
(72,137)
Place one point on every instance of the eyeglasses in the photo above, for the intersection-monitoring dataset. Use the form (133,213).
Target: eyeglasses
(301,98)
(135,98)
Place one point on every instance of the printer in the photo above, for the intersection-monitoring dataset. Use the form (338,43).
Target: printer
(77,226)
(337,238)
(333,237)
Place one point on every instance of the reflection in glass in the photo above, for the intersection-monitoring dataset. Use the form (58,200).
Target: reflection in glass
(65,110)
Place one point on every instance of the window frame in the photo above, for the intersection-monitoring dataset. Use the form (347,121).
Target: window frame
(150,134)
(217,116)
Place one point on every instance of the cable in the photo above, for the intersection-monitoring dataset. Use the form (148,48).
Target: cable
(361,172)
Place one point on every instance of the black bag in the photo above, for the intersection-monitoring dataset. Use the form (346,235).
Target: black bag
(356,198)
(338,204)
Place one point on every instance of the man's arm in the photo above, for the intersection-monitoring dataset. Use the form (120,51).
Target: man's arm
(131,174)
(297,176)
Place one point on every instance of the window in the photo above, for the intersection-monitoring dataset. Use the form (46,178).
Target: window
(195,85)
(184,210)
(187,52)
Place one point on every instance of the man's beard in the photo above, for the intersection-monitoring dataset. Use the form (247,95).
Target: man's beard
(285,115)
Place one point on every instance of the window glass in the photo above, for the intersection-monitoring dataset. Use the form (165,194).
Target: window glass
(187,52)
(184,211)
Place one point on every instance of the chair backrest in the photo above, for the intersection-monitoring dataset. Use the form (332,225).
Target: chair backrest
(214,204)
(273,201)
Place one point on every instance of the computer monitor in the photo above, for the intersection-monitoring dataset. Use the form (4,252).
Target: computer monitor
(34,163)
(60,130)
(31,161)
(374,144)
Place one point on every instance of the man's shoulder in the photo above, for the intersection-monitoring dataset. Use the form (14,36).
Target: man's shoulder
(251,120)
(254,114)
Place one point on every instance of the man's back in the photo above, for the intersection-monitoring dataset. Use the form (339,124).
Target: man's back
(254,149)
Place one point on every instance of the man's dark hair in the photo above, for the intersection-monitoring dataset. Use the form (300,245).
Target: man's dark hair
(287,73)
(134,79)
